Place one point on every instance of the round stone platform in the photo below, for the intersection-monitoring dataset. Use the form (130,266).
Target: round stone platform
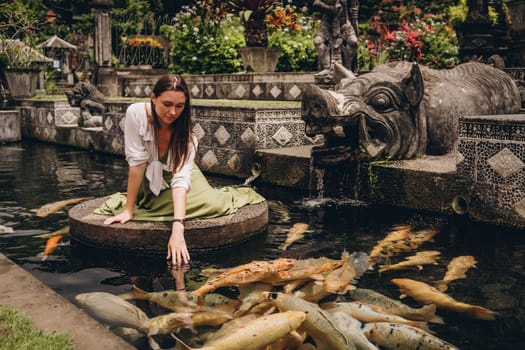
(88,228)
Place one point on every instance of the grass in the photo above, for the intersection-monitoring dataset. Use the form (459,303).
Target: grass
(17,332)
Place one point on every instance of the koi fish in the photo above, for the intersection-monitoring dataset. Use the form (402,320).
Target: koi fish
(426,257)
(456,269)
(279,208)
(370,313)
(399,232)
(317,324)
(307,268)
(426,294)
(55,207)
(410,243)
(255,271)
(62,231)
(351,328)
(251,295)
(51,245)
(400,336)
(256,334)
(296,233)
(171,322)
(6,229)
(179,301)
(426,313)
(312,291)
(338,280)
(115,311)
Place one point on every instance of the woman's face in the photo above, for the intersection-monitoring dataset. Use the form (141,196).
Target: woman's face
(169,106)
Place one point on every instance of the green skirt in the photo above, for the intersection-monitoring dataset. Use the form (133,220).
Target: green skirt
(202,202)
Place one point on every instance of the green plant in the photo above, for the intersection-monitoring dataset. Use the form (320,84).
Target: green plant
(294,33)
(253,17)
(201,48)
(16,55)
(17,332)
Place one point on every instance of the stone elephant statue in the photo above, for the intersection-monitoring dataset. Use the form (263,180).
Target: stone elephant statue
(402,110)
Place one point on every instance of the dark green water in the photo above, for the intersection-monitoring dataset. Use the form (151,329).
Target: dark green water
(33,174)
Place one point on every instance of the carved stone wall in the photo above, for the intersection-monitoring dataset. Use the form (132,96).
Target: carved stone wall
(228,136)
(492,167)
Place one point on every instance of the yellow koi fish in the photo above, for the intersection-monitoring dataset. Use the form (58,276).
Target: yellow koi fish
(171,322)
(256,334)
(296,233)
(456,269)
(179,301)
(426,257)
(55,207)
(426,294)
(62,231)
(317,324)
(338,280)
(401,336)
(426,313)
(399,232)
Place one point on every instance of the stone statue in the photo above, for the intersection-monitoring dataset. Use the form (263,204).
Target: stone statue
(401,110)
(91,102)
(336,40)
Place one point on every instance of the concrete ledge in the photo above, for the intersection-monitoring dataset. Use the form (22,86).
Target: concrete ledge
(51,312)
(296,161)
(89,228)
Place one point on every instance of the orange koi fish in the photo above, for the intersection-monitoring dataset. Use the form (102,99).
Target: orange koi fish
(426,294)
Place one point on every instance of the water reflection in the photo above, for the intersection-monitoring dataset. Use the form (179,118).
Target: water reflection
(33,174)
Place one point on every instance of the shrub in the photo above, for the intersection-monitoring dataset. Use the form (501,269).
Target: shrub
(294,33)
(201,48)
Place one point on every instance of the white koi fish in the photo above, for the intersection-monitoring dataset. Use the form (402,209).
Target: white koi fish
(400,336)
(115,311)
(370,313)
(317,324)
(367,296)
(351,328)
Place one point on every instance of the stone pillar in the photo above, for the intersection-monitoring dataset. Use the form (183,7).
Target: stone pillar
(517,17)
(102,32)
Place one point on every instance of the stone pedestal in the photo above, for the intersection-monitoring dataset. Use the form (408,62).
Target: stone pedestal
(201,234)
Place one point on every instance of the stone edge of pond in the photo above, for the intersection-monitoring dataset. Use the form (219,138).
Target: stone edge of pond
(206,234)
(51,312)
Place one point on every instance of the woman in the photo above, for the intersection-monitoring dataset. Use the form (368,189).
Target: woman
(163,183)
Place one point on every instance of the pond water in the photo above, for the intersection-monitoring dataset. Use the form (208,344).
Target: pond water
(33,174)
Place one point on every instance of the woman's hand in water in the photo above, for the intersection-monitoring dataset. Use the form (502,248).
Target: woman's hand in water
(177,249)
(122,218)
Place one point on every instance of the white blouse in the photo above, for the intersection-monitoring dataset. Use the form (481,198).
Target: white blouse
(140,147)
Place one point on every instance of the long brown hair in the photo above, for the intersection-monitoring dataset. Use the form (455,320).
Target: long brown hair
(181,132)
